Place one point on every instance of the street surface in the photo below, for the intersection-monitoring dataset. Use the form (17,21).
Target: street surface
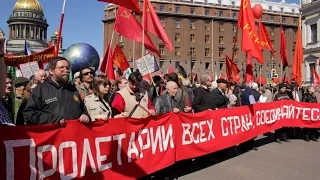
(297,160)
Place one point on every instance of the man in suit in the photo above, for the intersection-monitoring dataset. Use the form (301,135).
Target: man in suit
(219,94)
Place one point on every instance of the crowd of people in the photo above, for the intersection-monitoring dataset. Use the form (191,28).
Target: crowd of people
(48,97)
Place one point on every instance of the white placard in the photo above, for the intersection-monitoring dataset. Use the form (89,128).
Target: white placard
(28,69)
(147,64)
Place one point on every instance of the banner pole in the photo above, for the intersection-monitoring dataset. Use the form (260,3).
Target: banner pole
(60,28)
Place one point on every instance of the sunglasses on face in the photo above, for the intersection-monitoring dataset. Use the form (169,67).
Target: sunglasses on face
(105,85)
(87,73)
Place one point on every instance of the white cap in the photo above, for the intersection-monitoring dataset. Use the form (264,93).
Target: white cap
(77,74)
(254,85)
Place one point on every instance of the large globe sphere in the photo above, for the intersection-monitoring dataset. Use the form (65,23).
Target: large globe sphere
(82,55)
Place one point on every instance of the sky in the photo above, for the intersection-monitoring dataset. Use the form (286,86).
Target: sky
(82,22)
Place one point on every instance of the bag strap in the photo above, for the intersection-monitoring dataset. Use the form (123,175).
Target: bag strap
(105,105)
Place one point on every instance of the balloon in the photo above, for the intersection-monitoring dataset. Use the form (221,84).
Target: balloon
(257,11)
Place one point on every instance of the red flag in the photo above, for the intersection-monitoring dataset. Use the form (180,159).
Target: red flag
(171,70)
(298,58)
(103,65)
(231,69)
(128,26)
(119,59)
(283,49)
(250,40)
(249,72)
(49,44)
(265,38)
(153,25)
(110,69)
(147,77)
(315,77)
(130,4)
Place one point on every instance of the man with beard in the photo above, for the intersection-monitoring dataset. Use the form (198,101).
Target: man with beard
(86,77)
(132,101)
(55,100)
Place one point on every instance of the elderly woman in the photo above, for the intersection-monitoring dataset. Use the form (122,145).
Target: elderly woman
(97,106)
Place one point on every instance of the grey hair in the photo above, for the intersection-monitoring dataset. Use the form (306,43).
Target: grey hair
(170,83)
(204,78)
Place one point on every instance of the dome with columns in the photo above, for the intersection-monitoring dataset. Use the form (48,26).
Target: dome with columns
(28,5)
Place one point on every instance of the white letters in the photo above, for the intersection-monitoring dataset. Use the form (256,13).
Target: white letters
(143,146)
(87,153)
(73,146)
(100,158)
(43,174)
(119,138)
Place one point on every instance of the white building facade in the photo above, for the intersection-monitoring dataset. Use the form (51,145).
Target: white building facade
(310,39)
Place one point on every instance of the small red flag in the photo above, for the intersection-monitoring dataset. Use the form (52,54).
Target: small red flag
(283,48)
(249,72)
(265,41)
(110,69)
(103,65)
(315,77)
(250,39)
(153,25)
(130,4)
(119,59)
(128,26)
(171,70)
(231,69)
(298,58)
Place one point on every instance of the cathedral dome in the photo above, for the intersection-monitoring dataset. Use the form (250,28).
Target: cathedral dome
(28,5)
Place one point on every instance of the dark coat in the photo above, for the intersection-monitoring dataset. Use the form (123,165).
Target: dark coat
(255,94)
(165,103)
(309,98)
(202,100)
(220,100)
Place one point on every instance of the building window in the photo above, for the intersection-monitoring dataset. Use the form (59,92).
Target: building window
(272,31)
(162,22)
(207,26)
(161,64)
(220,13)
(234,27)
(221,53)
(177,9)
(177,24)
(281,9)
(294,45)
(206,52)
(192,38)
(206,38)
(192,10)
(120,38)
(234,15)
(220,39)
(192,25)
(313,28)
(283,20)
(292,10)
(192,51)
(221,28)
(207,66)
(294,21)
(272,42)
(161,49)
(177,51)
(206,12)
(272,19)
(233,3)
(270,8)
(161,8)
(177,37)
(271,56)
(236,55)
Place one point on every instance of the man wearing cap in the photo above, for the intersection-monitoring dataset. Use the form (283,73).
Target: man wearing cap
(219,94)
(203,100)
(86,77)
(76,79)
(19,84)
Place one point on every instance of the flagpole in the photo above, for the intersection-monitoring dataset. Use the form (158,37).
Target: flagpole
(212,68)
(60,27)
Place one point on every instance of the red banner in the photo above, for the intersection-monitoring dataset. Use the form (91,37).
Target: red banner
(131,148)
(41,57)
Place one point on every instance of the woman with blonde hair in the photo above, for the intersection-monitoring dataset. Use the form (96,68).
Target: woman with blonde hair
(97,106)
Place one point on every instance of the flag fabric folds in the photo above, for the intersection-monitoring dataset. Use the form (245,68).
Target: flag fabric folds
(298,58)
(265,41)
(103,65)
(181,70)
(250,39)
(171,70)
(128,26)
(119,59)
(283,48)
(27,50)
(152,24)
(129,4)
(231,69)
(249,71)
(315,77)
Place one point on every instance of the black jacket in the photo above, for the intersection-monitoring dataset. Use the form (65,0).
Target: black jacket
(309,98)
(202,100)
(165,103)
(50,103)
(220,100)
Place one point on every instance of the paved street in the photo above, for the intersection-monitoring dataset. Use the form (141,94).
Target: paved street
(297,160)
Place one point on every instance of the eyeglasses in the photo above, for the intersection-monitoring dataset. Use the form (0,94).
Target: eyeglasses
(87,73)
(105,85)
(62,68)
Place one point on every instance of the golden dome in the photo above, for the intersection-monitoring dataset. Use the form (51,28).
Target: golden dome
(28,4)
